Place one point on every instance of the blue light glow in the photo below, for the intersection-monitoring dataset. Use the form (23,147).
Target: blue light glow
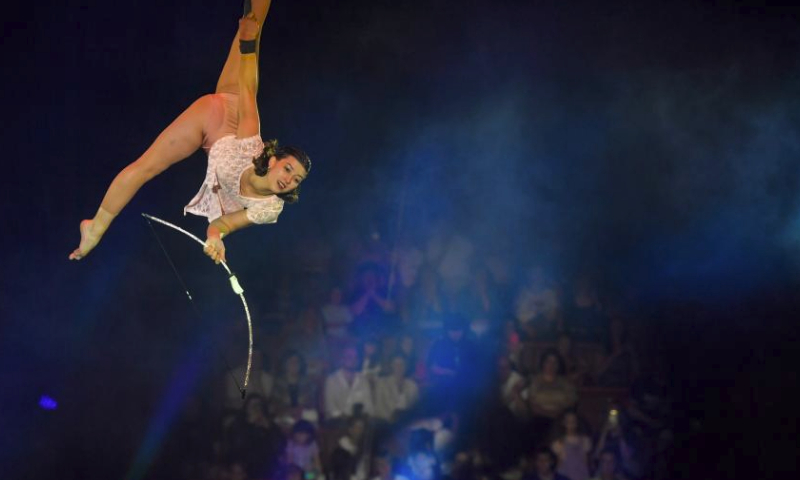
(47,403)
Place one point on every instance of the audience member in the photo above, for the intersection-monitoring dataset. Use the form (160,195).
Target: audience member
(346,388)
(572,446)
(619,367)
(544,462)
(451,252)
(373,310)
(452,364)
(337,316)
(261,381)
(585,317)
(575,368)
(294,472)
(306,334)
(512,384)
(480,303)
(255,440)
(370,358)
(616,437)
(348,460)
(435,432)
(423,307)
(407,346)
(395,392)
(302,449)
(382,467)
(537,298)
(294,394)
(409,259)
(607,467)
(421,462)
(549,394)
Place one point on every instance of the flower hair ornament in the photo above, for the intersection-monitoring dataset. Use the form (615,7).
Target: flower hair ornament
(261,162)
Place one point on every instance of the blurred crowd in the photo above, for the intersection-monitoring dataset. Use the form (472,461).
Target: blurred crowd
(433,358)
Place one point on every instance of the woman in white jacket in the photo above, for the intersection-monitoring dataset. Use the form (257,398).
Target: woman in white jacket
(395,392)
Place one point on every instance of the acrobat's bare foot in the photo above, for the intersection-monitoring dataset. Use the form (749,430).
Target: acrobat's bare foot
(89,239)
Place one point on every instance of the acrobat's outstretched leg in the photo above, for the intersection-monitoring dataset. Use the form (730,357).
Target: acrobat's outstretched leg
(179,140)
(229,78)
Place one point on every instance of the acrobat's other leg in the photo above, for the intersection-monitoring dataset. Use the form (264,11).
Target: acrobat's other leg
(229,78)
(178,141)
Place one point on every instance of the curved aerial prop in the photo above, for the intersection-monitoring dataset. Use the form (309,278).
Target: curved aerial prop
(237,289)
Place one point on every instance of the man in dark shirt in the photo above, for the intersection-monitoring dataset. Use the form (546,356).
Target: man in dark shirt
(453,366)
(545,465)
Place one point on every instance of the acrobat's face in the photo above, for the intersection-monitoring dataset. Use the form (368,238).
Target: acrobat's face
(285,175)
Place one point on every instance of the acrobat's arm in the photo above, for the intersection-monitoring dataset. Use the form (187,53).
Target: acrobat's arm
(219,228)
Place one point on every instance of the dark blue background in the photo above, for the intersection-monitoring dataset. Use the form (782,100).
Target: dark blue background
(656,142)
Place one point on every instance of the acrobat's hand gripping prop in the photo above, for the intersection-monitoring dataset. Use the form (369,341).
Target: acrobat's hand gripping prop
(235,285)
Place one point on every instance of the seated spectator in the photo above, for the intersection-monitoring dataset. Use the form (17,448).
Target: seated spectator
(261,381)
(336,315)
(305,333)
(575,368)
(584,315)
(373,310)
(481,301)
(293,472)
(382,467)
(346,388)
(302,449)
(294,394)
(617,437)
(370,357)
(473,464)
(347,461)
(407,346)
(607,467)
(191,444)
(500,430)
(538,297)
(423,306)
(511,342)
(409,260)
(388,348)
(650,406)
(544,461)
(572,446)
(619,367)
(395,392)
(451,360)
(650,414)
(255,440)
(421,463)
(512,385)
(549,393)
(437,432)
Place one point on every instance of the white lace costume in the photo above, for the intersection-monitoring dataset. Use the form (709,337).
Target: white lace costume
(220,194)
